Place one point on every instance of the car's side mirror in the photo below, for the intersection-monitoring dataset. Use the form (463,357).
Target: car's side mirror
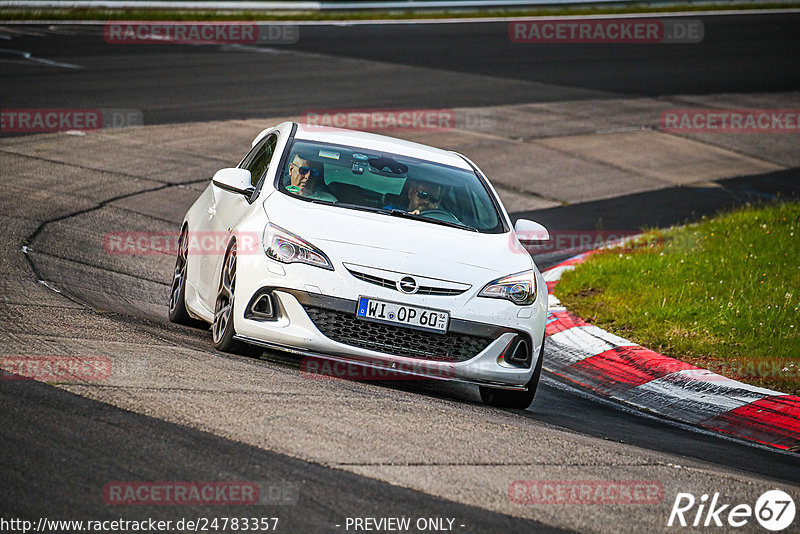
(530,232)
(234,180)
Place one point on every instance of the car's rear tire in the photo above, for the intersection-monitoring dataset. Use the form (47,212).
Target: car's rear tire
(222,328)
(178,313)
(519,400)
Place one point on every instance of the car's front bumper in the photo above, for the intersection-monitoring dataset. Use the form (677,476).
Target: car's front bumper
(295,331)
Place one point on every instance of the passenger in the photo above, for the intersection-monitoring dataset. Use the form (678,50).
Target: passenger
(421,196)
(306,179)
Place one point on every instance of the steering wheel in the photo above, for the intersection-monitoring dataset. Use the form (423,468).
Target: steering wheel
(440,215)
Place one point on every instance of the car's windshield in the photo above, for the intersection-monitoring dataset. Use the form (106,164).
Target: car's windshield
(358,178)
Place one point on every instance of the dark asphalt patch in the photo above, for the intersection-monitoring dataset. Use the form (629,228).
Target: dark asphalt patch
(667,207)
(60,450)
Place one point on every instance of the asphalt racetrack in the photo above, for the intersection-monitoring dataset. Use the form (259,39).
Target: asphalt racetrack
(568,133)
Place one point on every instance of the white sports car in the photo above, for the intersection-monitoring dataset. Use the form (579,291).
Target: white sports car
(354,247)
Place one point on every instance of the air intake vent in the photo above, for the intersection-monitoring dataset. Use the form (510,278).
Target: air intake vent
(346,328)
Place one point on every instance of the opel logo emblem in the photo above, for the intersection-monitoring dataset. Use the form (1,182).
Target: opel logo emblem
(407,285)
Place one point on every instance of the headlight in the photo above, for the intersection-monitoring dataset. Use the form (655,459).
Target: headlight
(519,288)
(285,247)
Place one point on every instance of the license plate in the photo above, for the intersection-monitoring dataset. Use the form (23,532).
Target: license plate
(383,311)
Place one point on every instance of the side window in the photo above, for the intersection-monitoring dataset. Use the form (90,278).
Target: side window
(257,161)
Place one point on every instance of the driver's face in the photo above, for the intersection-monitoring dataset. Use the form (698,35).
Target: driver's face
(424,196)
(297,178)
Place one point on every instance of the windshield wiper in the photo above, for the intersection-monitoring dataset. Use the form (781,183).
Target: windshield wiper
(401,213)
(357,207)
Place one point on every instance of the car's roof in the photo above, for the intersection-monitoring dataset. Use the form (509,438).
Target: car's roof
(341,136)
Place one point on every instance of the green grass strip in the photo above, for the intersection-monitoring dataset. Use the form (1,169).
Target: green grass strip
(722,294)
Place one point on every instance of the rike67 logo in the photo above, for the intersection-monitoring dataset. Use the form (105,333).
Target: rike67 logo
(774,510)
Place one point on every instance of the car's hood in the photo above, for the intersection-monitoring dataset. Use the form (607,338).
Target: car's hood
(399,244)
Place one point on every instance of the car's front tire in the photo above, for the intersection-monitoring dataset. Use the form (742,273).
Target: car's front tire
(519,400)
(178,313)
(222,328)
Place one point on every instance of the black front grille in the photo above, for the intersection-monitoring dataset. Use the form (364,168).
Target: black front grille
(348,329)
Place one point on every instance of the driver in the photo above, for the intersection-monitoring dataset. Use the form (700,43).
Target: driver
(422,196)
(306,179)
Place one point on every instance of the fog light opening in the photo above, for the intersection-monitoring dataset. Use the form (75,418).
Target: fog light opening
(262,306)
(521,351)
(517,353)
